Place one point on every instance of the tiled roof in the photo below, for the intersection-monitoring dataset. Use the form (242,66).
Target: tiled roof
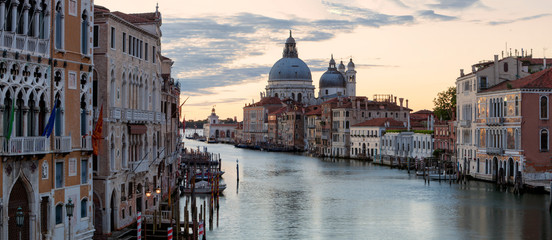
(380,122)
(317,111)
(135,17)
(538,80)
(98,8)
(424,111)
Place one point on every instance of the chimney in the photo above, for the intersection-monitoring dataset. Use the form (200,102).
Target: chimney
(235,119)
(406,103)
(473,68)
(395,100)
(461,72)
(401,101)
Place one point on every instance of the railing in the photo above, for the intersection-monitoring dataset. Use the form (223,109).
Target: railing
(24,145)
(465,123)
(116,113)
(140,167)
(86,143)
(495,120)
(62,144)
(27,44)
(494,151)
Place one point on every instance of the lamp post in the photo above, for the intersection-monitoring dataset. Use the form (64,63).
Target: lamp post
(19,219)
(158,190)
(69,208)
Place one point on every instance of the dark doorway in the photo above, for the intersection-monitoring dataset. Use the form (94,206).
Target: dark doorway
(98,223)
(18,198)
(112,211)
(138,204)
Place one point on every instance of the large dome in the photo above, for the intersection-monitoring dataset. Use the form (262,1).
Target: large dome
(332,79)
(287,69)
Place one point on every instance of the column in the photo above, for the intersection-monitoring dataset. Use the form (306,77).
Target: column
(14,18)
(24,121)
(36,27)
(25,17)
(36,130)
(2,14)
(2,120)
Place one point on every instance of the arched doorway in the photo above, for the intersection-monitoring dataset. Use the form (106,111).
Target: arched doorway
(18,198)
(363,149)
(112,212)
(139,197)
(98,221)
(511,168)
(217,133)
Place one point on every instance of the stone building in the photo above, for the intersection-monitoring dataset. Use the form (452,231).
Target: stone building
(366,136)
(45,71)
(136,103)
(513,130)
(215,130)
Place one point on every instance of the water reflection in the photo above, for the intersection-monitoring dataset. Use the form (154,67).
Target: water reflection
(287,196)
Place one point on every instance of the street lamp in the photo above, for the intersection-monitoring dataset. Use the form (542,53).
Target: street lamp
(19,219)
(158,190)
(148,193)
(69,208)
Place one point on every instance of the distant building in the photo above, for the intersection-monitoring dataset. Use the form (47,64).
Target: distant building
(366,136)
(218,131)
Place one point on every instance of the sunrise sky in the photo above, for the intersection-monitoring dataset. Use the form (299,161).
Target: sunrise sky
(223,50)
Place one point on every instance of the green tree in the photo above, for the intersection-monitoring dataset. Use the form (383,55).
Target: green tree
(445,104)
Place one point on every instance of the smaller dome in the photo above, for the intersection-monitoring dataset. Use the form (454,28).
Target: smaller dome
(332,79)
(341,66)
(351,65)
(290,38)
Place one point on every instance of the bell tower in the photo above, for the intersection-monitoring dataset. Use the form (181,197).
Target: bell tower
(351,78)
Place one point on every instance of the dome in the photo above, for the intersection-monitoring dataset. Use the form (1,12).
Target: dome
(351,65)
(290,38)
(287,69)
(341,66)
(332,79)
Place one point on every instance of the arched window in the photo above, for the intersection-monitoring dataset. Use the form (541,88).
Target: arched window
(544,140)
(9,10)
(544,107)
(83,114)
(20,20)
(59,25)
(505,67)
(517,106)
(42,32)
(31,20)
(84,33)
(59,214)
(84,208)
(58,122)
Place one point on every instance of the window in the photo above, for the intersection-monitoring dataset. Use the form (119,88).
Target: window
(59,214)
(84,171)
(84,33)
(153,55)
(146,52)
(124,42)
(505,67)
(84,208)
(112,37)
(96,42)
(59,174)
(544,140)
(59,26)
(544,107)
(517,106)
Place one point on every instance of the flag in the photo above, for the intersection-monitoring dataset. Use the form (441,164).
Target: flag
(97,134)
(12,116)
(50,125)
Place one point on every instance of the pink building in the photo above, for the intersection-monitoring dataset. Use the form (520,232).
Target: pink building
(513,129)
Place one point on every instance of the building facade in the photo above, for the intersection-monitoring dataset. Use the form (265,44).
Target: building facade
(137,106)
(46,145)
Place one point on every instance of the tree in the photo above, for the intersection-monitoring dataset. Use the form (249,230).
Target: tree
(445,104)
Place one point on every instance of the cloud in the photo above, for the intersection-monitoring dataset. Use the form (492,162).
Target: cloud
(221,101)
(455,4)
(430,14)
(206,49)
(519,19)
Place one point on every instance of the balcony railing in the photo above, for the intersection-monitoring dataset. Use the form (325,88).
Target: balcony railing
(134,115)
(495,121)
(62,144)
(465,123)
(494,151)
(140,167)
(24,145)
(86,143)
(24,43)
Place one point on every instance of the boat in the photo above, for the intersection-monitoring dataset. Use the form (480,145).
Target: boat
(202,187)
(442,176)
(206,176)
(212,140)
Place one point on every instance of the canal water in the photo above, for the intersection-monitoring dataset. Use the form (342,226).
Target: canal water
(290,196)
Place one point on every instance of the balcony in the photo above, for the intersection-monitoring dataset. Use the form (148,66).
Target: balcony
(465,123)
(24,43)
(495,121)
(139,167)
(116,113)
(62,144)
(494,151)
(24,146)
(86,143)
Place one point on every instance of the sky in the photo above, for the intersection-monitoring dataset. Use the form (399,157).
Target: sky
(223,50)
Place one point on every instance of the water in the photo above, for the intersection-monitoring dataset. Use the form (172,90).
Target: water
(289,196)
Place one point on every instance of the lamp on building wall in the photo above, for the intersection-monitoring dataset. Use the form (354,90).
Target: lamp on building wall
(19,219)
(69,208)
(158,190)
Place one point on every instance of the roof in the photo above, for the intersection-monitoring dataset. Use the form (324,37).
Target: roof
(538,80)
(138,17)
(266,101)
(424,111)
(98,8)
(381,122)
(317,111)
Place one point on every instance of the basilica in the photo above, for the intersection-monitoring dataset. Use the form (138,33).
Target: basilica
(290,78)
